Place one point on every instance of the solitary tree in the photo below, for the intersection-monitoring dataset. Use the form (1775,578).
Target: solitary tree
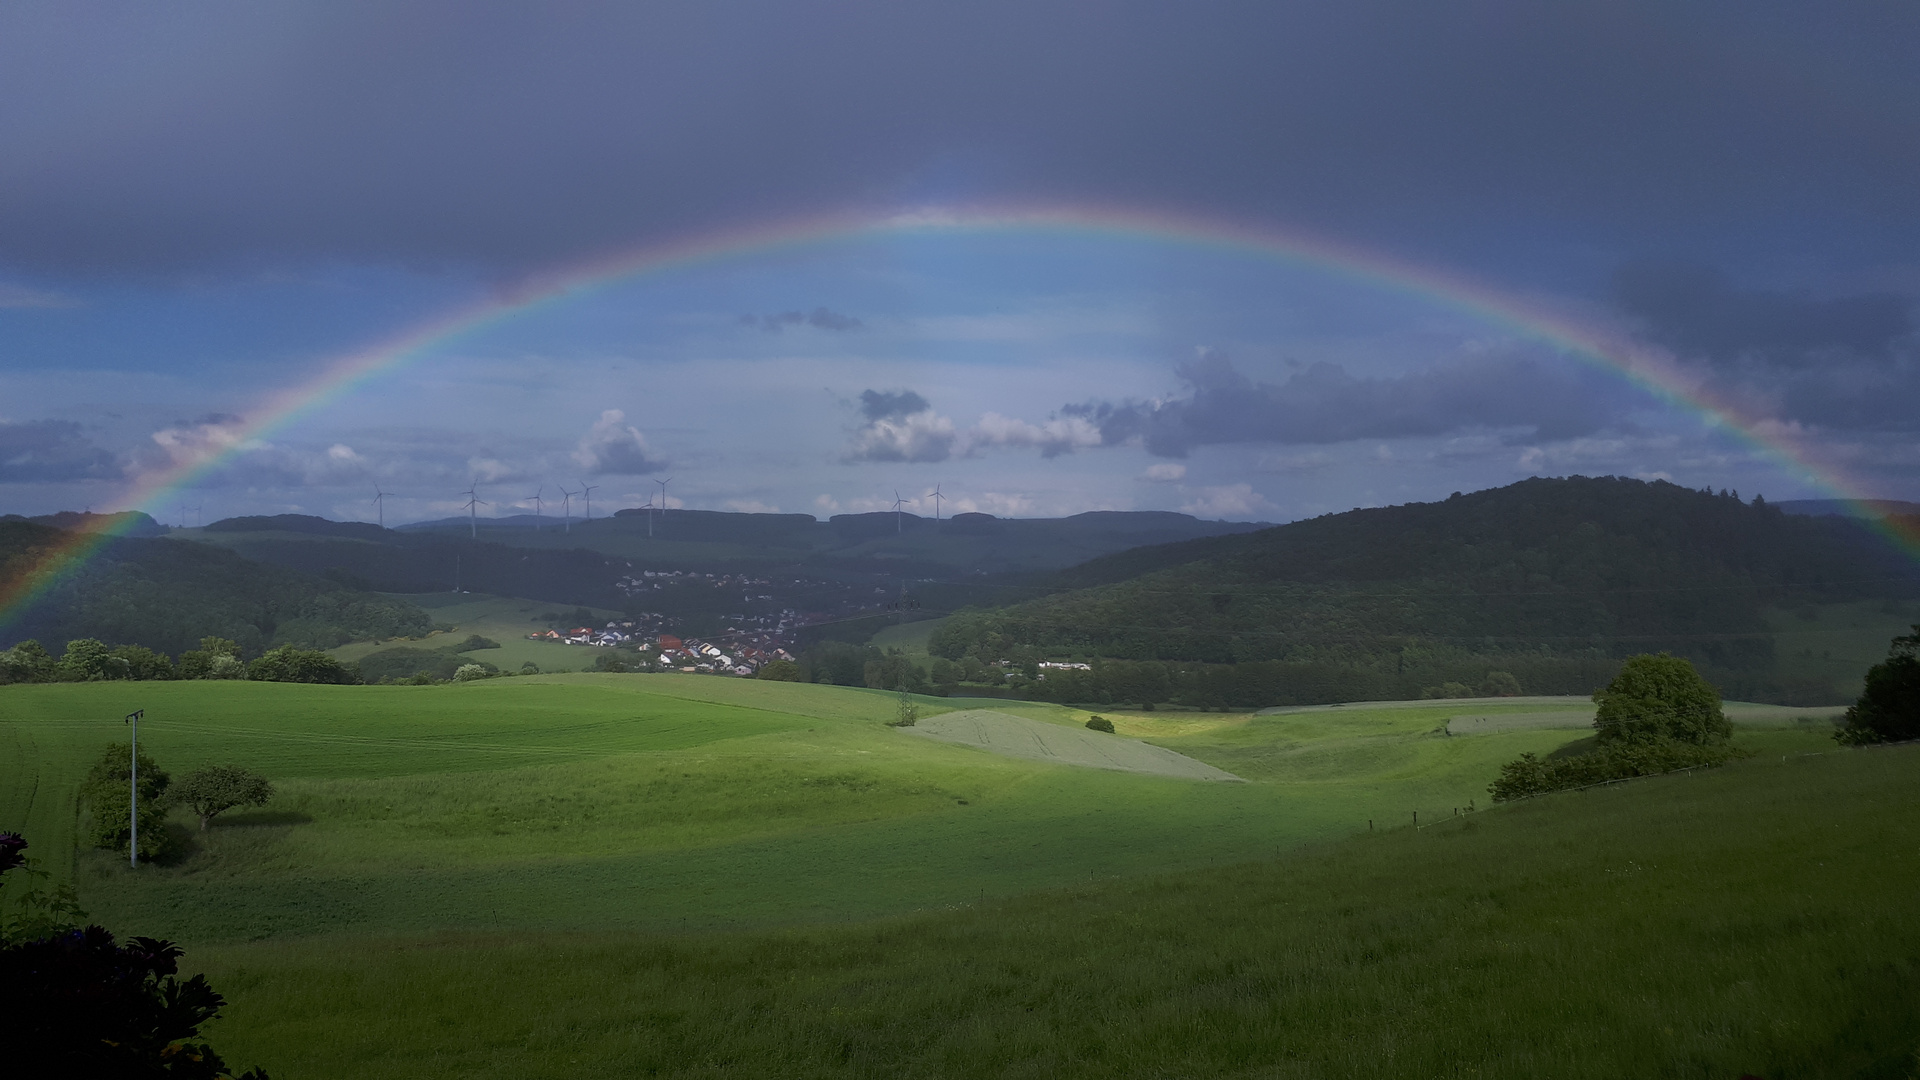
(1657,698)
(218,788)
(1889,707)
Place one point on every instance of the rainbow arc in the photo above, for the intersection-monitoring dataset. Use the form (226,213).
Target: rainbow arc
(1527,318)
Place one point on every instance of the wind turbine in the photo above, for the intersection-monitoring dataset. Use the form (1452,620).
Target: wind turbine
(536,506)
(586,490)
(566,506)
(649,509)
(899,522)
(936,497)
(663,495)
(380,504)
(197,520)
(474,502)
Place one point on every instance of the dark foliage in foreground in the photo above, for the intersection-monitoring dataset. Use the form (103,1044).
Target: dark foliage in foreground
(1889,707)
(79,1004)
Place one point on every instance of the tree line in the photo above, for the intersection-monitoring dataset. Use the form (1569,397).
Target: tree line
(91,660)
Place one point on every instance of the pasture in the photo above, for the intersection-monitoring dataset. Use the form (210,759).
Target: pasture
(602,874)
(650,802)
(1754,919)
(504,619)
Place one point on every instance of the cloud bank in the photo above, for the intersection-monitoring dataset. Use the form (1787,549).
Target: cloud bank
(1324,403)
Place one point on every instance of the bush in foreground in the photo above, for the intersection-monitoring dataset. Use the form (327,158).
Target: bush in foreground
(79,1004)
(1100,723)
(1889,707)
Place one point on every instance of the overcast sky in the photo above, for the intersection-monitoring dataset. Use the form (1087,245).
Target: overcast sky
(202,205)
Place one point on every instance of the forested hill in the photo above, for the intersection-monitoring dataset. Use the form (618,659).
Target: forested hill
(168,594)
(1562,569)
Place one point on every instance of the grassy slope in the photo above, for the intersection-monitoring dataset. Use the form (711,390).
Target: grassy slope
(1754,919)
(505,619)
(660,801)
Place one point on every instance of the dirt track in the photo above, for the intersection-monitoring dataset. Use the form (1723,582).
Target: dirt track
(1016,736)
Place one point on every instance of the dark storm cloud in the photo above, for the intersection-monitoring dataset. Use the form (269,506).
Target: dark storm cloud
(510,137)
(891,404)
(819,318)
(1323,403)
(1692,310)
(39,451)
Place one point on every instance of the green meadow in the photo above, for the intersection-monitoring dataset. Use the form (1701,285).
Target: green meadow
(504,619)
(611,875)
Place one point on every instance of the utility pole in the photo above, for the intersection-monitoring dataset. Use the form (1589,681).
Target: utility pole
(133,788)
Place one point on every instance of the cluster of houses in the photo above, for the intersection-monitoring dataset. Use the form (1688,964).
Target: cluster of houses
(613,636)
(693,655)
(743,657)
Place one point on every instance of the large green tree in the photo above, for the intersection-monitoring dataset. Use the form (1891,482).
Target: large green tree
(1889,707)
(1657,698)
(215,789)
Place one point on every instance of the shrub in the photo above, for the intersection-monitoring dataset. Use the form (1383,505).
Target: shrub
(288,664)
(1532,776)
(1100,723)
(199,663)
(1889,707)
(780,671)
(225,667)
(1500,684)
(107,790)
(475,641)
(469,672)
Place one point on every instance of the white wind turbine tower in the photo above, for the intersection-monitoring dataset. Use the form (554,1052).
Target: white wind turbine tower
(649,509)
(474,502)
(663,497)
(566,506)
(197,520)
(535,497)
(936,497)
(380,504)
(899,521)
(586,491)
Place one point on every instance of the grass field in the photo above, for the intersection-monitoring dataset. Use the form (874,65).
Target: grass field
(612,874)
(1751,920)
(668,801)
(505,619)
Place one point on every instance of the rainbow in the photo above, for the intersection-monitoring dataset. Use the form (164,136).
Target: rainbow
(1646,368)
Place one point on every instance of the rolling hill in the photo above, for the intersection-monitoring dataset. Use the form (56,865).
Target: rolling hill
(167,595)
(1550,579)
